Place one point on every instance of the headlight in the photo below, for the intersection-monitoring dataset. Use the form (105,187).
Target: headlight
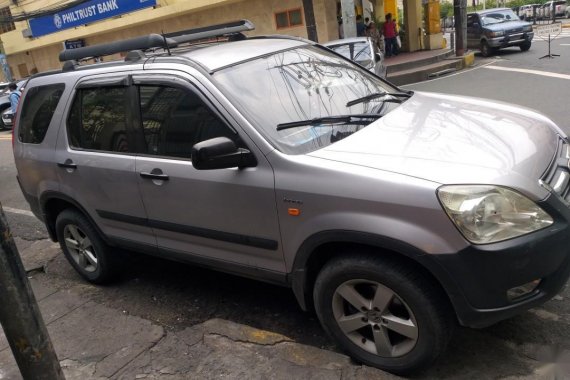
(487,214)
(527,28)
(497,34)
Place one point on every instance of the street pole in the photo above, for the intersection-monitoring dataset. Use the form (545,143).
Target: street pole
(310,20)
(460,15)
(20,316)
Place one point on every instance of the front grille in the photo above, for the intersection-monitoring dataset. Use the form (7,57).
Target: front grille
(514,31)
(557,176)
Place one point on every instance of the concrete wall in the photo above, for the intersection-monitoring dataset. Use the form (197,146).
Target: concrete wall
(169,16)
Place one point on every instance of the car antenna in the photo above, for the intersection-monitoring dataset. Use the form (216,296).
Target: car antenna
(165,42)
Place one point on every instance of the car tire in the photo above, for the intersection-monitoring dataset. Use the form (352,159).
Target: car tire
(525,46)
(345,294)
(486,50)
(84,249)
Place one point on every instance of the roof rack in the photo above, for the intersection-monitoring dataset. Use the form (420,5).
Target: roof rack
(137,43)
(151,41)
(219,30)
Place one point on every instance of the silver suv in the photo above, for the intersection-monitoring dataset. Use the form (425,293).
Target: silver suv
(394,215)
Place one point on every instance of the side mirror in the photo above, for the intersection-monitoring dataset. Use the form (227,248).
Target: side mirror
(220,153)
(475,24)
(377,57)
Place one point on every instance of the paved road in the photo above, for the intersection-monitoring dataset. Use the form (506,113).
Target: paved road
(520,78)
(176,296)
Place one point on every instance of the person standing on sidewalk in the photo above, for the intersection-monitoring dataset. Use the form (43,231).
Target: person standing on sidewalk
(390,33)
(376,37)
(360,27)
(14,97)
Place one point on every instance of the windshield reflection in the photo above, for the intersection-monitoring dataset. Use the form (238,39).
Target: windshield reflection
(302,84)
(499,16)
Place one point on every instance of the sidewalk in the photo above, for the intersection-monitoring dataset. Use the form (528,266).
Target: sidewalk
(93,341)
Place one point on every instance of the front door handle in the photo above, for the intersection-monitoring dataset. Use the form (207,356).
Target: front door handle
(155,174)
(67,164)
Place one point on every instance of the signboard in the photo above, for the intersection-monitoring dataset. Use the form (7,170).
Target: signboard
(73,44)
(548,29)
(84,13)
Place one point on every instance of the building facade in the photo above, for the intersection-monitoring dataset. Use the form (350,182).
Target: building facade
(34,32)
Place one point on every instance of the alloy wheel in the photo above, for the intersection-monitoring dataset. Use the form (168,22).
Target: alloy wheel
(80,248)
(375,318)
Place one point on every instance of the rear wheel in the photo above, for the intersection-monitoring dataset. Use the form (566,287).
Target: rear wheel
(525,46)
(84,248)
(382,313)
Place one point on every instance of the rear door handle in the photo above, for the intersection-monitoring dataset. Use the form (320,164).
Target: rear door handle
(67,164)
(156,176)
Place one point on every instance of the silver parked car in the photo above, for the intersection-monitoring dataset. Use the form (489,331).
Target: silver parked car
(394,215)
(527,12)
(362,51)
(6,118)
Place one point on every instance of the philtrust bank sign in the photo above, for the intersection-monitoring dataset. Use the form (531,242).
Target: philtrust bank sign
(85,13)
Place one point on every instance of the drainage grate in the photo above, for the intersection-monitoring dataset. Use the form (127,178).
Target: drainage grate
(441,73)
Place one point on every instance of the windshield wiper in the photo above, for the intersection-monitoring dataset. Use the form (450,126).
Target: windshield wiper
(329,120)
(379,95)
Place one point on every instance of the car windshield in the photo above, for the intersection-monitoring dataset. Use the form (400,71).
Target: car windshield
(357,51)
(499,16)
(304,84)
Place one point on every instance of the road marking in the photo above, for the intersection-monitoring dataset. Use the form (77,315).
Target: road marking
(6,138)
(527,71)
(18,211)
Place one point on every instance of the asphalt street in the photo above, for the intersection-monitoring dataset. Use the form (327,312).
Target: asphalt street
(515,77)
(177,296)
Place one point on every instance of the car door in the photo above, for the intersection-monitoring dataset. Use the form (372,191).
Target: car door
(224,215)
(96,160)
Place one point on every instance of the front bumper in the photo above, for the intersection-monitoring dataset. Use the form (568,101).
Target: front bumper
(480,276)
(511,40)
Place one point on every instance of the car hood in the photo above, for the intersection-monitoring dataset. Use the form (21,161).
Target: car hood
(454,139)
(507,25)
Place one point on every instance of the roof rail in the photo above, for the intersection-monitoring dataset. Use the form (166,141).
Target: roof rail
(170,40)
(138,43)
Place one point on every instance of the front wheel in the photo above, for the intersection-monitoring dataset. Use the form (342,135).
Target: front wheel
(84,248)
(486,50)
(525,46)
(382,313)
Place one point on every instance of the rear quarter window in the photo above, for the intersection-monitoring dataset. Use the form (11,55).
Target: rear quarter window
(37,111)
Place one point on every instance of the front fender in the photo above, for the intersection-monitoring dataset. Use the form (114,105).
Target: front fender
(301,279)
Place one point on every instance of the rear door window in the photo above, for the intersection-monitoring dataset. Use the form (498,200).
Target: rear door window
(37,111)
(99,119)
